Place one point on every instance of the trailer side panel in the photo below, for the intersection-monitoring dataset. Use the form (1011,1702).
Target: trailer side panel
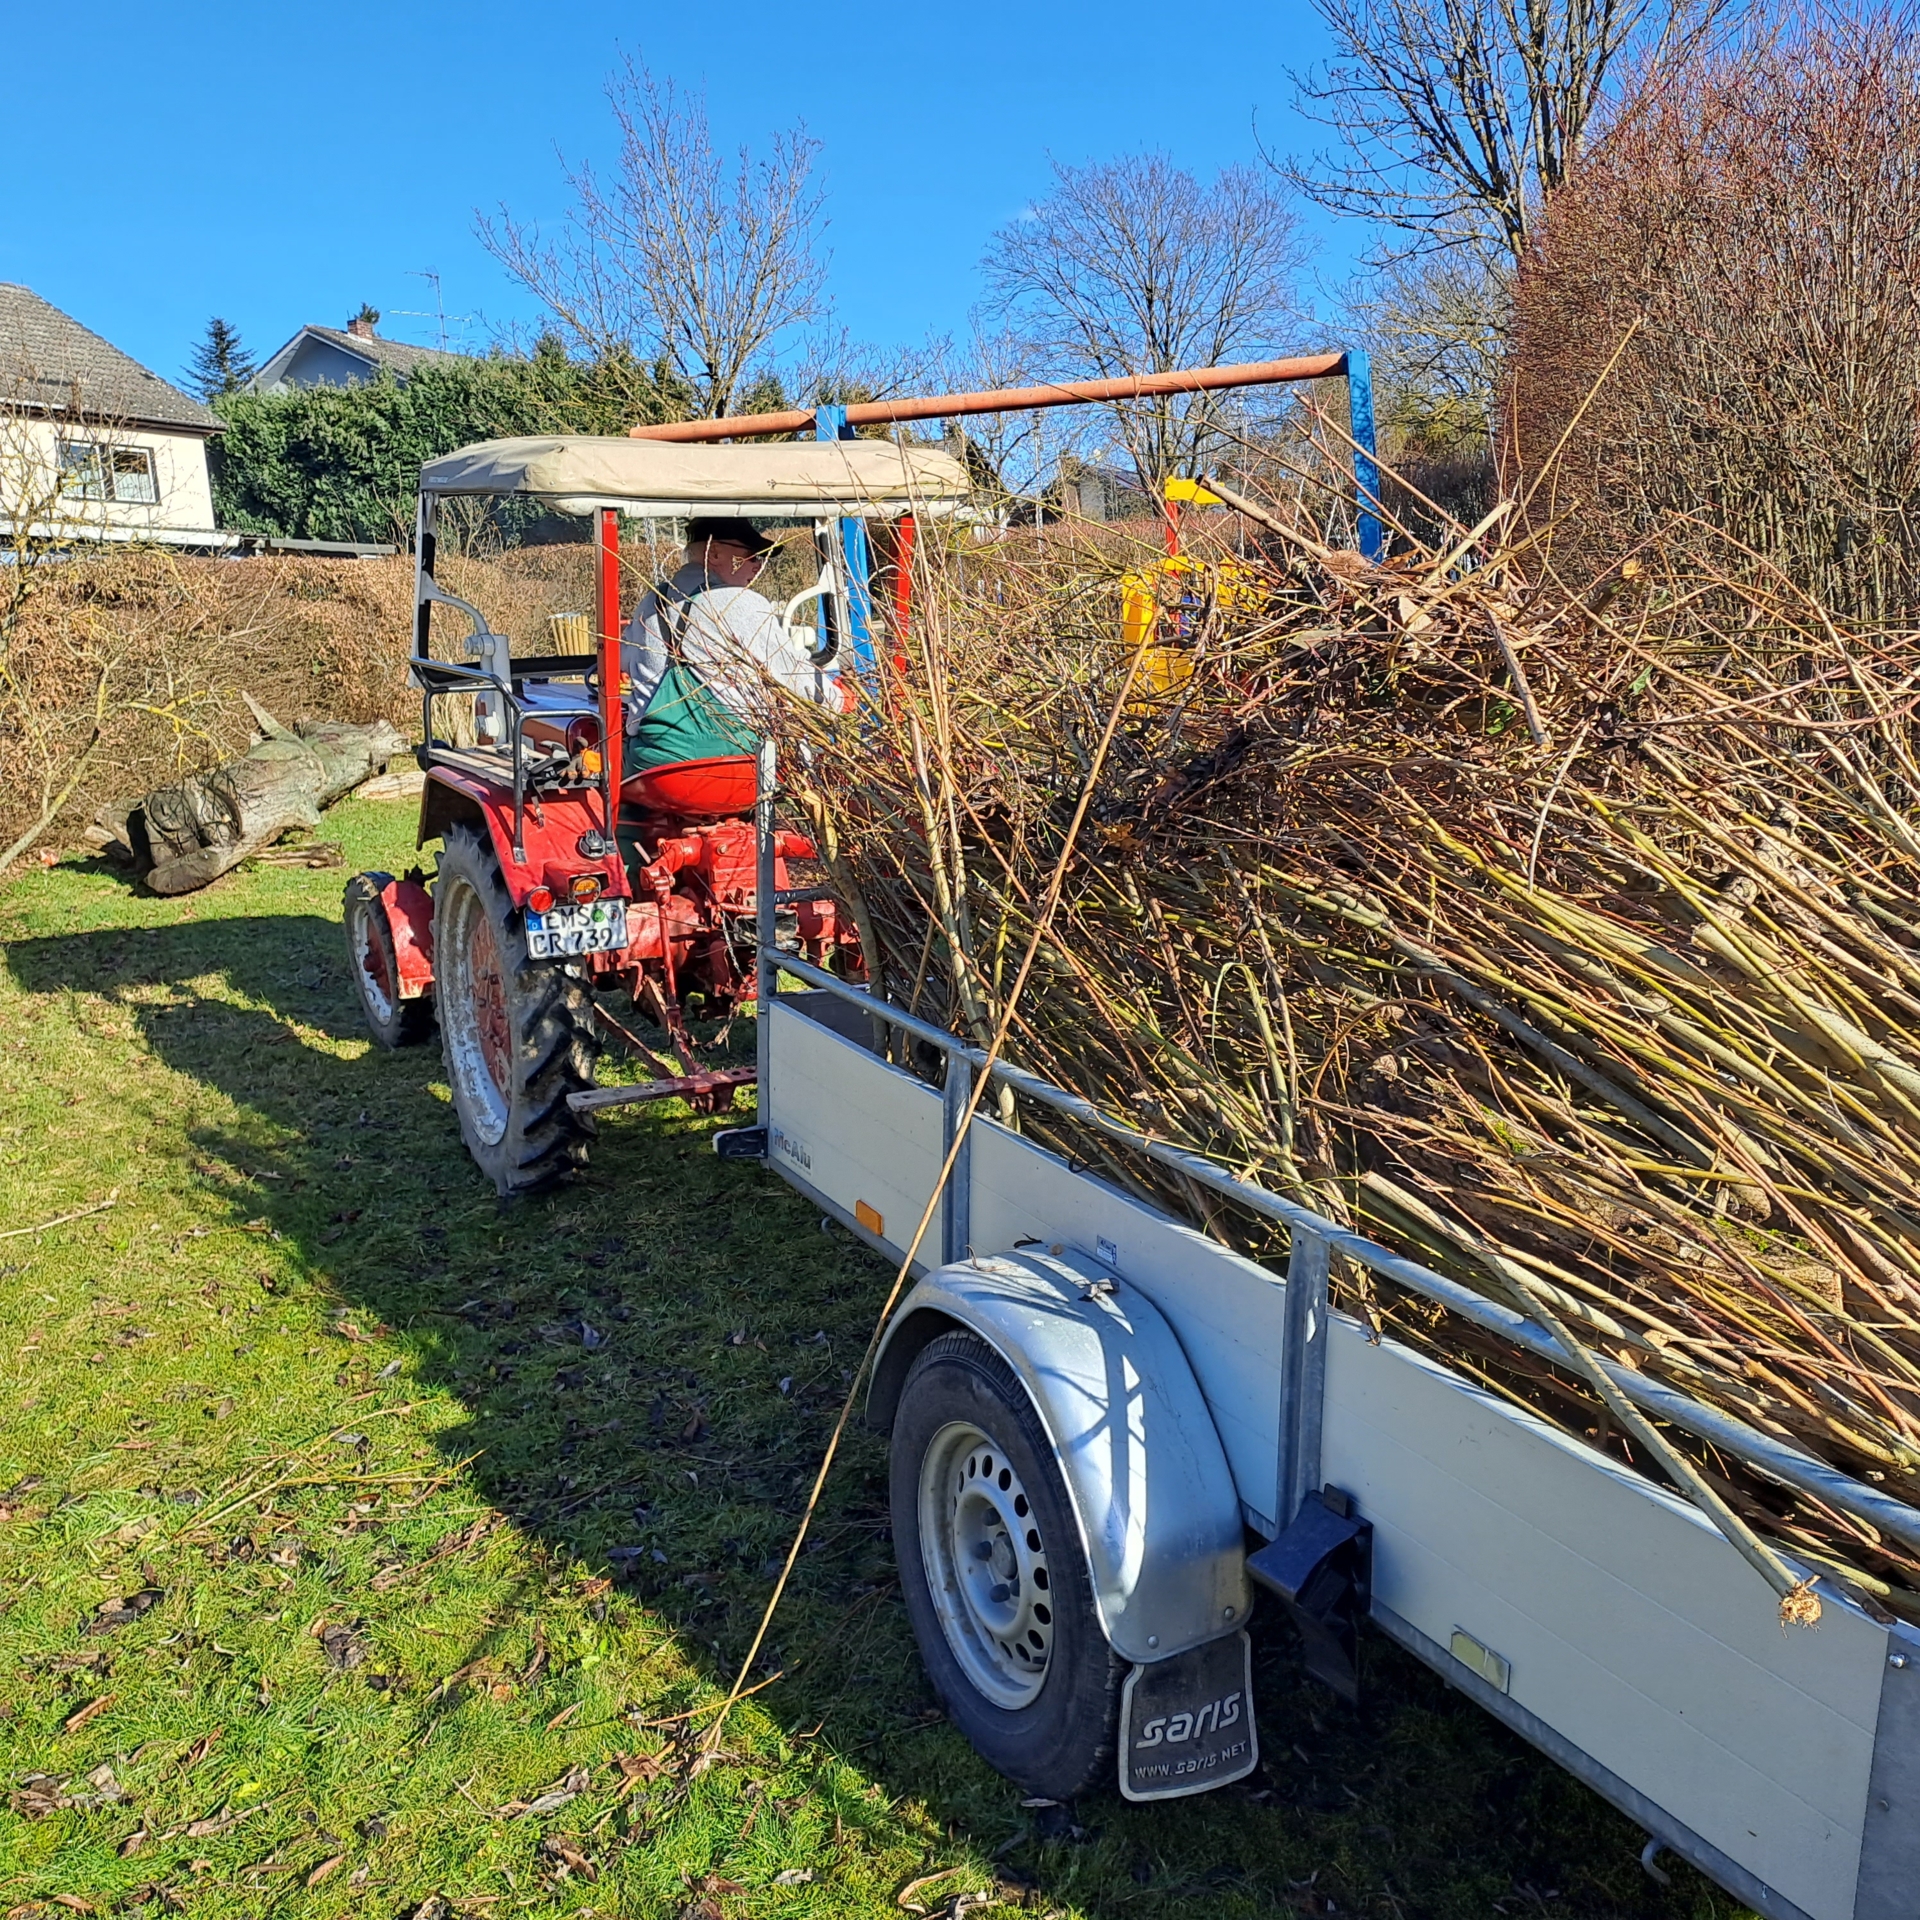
(1600,1615)
(1615,1614)
(853,1133)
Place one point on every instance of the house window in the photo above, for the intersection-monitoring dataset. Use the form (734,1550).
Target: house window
(81,475)
(132,475)
(124,475)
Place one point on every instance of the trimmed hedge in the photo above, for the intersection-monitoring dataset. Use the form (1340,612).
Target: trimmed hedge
(343,463)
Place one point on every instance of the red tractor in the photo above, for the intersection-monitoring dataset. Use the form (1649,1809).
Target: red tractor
(566,878)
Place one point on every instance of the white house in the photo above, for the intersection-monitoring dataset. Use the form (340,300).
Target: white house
(335,357)
(93,446)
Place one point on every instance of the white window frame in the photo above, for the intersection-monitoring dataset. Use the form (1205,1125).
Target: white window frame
(108,473)
(82,472)
(136,465)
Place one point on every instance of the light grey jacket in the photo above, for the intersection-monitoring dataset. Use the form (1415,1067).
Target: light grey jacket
(731,637)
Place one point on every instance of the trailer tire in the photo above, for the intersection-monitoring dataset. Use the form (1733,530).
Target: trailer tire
(994,1575)
(517,1036)
(375,967)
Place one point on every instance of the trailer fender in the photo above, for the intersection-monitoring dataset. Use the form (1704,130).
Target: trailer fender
(1144,1469)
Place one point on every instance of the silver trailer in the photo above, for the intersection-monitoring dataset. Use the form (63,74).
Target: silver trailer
(1098,1414)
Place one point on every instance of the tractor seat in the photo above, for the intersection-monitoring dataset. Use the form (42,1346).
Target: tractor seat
(695,789)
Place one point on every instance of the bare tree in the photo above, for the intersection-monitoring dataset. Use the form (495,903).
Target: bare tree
(1012,453)
(679,256)
(1133,266)
(1438,334)
(1456,120)
(830,367)
(1457,117)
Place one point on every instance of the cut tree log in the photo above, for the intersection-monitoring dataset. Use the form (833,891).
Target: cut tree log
(185,835)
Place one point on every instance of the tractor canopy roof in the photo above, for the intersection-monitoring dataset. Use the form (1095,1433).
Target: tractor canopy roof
(794,479)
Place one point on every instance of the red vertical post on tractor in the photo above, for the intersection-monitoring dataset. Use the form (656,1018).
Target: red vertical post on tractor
(904,534)
(607,627)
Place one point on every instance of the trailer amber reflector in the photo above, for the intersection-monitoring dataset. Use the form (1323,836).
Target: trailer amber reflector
(1490,1666)
(870,1218)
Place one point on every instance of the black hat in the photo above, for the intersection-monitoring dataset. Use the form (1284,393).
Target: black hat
(735,533)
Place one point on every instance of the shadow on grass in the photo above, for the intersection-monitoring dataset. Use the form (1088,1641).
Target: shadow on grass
(649,1362)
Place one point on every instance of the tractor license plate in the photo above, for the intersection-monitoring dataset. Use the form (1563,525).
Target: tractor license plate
(598,927)
(1186,1724)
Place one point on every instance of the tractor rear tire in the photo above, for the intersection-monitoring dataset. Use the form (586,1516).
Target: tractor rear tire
(375,969)
(517,1035)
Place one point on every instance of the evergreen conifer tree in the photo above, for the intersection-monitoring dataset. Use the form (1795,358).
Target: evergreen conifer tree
(220,363)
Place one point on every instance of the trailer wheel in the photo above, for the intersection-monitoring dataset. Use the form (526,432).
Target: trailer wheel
(518,1037)
(394,1022)
(995,1579)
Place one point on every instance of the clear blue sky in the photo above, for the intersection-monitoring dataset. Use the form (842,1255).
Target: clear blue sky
(279,165)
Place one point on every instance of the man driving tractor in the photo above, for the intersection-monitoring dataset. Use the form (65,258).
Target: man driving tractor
(701,648)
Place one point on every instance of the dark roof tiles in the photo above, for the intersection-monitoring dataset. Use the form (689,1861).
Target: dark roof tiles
(385,353)
(48,359)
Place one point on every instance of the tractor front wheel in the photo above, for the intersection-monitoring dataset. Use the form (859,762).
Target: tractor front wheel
(518,1035)
(394,1022)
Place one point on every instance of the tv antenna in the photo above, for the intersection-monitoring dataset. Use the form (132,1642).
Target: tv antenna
(438,315)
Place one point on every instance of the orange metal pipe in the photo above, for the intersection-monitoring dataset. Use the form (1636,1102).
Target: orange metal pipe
(1065,393)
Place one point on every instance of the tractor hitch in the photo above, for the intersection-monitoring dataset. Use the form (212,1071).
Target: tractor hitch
(700,1090)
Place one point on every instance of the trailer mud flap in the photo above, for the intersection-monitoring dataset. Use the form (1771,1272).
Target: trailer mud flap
(1186,1724)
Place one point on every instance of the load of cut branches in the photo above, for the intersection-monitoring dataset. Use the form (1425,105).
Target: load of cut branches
(1568,942)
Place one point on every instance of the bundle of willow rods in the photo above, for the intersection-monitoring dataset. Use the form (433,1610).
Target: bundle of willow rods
(1572,934)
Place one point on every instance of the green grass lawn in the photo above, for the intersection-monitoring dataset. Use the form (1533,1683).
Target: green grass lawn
(365,1547)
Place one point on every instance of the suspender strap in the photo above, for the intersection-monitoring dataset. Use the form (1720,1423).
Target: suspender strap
(676,609)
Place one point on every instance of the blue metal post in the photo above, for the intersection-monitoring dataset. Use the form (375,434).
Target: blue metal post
(856,567)
(766,973)
(859,578)
(1366,462)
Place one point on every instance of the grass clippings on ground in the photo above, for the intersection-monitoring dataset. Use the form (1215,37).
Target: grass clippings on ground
(367,1548)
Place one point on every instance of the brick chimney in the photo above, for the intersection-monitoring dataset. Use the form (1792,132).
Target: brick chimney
(360,327)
